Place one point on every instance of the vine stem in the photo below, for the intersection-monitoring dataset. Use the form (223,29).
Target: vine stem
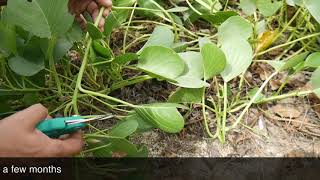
(224,117)
(49,55)
(83,66)
(245,110)
(205,116)
(78,87)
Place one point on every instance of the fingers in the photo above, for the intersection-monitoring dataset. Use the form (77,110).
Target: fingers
(67,147)
(105,3)
(31,116)
(92,7)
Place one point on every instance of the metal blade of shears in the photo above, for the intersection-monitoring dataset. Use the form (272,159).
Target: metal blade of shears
(97,118)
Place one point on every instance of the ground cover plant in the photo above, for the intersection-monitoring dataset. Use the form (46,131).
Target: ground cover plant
(202,48)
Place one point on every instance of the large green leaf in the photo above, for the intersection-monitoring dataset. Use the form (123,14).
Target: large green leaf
(233,35)
(192,77)
(161,61)
(124,128)
(161,36)
(239,56)
(313,60)
(218,17)
(248,6)
(314,8)
(167,119)
(43,18)
(143,125)
(235,27)
(186,95)
(214,60)
(315,81)
(25,67)
(7,39)
(194,62)
(268,7)
(295,60)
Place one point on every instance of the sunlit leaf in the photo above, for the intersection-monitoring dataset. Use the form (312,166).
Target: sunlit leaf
(295,60)
(268,7)
(248,6)
(214,60)
(234,27)
(161,61)
(313,60)
(314,8)
(161,36)
(239,56)
(167,119)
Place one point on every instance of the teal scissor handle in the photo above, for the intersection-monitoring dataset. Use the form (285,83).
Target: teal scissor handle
(56,127)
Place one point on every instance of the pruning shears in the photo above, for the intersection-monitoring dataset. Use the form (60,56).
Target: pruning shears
(56,127)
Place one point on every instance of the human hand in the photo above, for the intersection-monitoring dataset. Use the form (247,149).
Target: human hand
(20,138)
(77,7)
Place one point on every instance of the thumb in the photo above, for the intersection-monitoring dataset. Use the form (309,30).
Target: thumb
(67,147)
(31,116)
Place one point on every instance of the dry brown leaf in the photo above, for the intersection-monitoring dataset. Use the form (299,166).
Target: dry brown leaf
(286,111)
(265,40)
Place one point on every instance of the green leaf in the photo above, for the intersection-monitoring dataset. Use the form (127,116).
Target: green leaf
(194,63)
(124,128)
(218,17)
(117,16)
(30,98)
(161,36)
(25,67)
(101,50)
(234,27)
(233,35)
(313,60)
(143,125)
(315,82)
(277,65)
(167,119)
(253,92)
(268,7)
(239,56)
(313,7)
(7,39)
(150,4)
(43,18)
(295,60)
(214,60)
(161,61)
(248,6)
(124,59)
(185,95)
(179,47)
(93,31)
(192,77)
(190,82)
